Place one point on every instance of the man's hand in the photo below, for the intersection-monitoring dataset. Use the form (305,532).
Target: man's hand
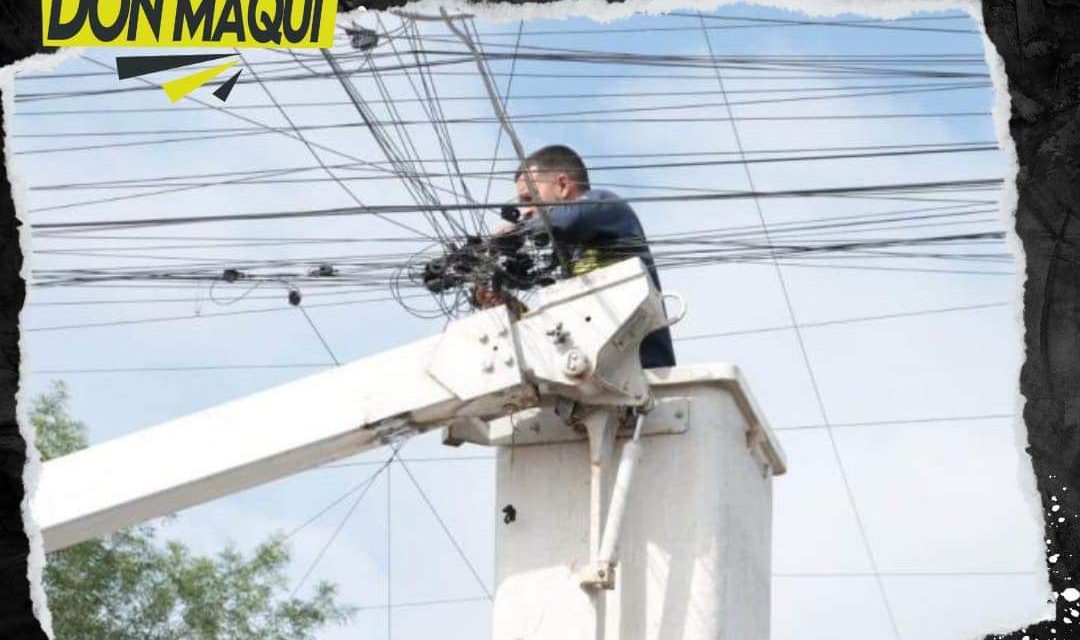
(483,297)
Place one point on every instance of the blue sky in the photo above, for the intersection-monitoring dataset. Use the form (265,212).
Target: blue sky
(929,492)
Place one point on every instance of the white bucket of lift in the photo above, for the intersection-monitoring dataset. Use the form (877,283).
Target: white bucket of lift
(693,555)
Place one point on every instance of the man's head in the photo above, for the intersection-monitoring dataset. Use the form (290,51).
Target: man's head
(558,173)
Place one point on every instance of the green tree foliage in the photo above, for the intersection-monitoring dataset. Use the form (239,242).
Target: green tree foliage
(129,586)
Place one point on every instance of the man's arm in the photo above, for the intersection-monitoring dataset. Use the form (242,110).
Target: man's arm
(565,222)
(601,218)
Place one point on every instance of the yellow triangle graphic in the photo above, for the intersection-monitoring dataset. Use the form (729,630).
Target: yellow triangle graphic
(180,87)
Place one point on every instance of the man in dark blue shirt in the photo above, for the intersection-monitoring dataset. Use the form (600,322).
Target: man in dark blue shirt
(592,226)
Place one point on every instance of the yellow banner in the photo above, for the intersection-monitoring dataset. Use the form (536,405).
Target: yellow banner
(288,24)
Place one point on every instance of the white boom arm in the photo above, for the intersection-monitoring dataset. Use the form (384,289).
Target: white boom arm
(580,341)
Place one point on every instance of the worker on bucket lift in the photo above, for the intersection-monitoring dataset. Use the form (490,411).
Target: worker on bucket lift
(593,227)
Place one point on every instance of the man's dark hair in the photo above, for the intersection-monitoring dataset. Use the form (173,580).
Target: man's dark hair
(559,157)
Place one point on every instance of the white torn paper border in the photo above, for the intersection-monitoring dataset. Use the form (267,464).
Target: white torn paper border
(19,197)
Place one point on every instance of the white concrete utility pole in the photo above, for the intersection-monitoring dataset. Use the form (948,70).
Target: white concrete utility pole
(672,542)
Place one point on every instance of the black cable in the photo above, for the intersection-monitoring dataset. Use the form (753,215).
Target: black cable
(333,536)
(802,348)
(266,177)
(908,421)
(442,524)
(374,166)
(300,365)
(924,86)
(827,323)
(318,333)
(539,118)
(318,159)
(387,209)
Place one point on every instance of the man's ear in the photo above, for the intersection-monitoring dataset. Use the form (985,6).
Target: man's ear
(565,185)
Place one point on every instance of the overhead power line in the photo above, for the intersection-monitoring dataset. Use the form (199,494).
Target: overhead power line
(400,209)
(826,323)
(814,91)
(215,367)
(268,177)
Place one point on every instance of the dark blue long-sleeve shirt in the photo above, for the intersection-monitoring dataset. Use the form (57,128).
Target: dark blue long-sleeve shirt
(598,230)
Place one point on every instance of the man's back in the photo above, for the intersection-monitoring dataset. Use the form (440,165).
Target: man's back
(596,230)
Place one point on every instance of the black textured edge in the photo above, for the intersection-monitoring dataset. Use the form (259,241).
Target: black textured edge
(1039,42)
(20,37)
